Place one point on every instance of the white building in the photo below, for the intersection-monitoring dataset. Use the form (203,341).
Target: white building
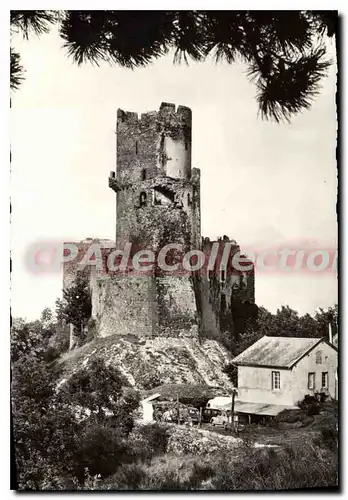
(283,370)
(147,406)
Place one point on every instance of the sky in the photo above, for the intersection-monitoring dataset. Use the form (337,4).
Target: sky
(262,184)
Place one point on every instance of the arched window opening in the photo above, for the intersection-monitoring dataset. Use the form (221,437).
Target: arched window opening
(143,174)
(143,199)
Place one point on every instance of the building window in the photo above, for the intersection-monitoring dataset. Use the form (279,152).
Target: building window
(311,380)
(318,358)
(143,174)
(222,276)
(325,380)
(275,381)
(136,147)
(142,199)
(189,199)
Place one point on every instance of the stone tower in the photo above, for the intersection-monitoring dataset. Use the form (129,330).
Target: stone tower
(157,203)
(158,194)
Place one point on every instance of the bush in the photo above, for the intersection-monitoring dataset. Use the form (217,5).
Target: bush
(127,477)
(329,438)
(268,469)
(157,436)
(51,354)
(310,405)
(232,373)
(101,449)
(147,441)
(262,469)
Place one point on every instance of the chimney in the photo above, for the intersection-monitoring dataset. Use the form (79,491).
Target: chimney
(330,333)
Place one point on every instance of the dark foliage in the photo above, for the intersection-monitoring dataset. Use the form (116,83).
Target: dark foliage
(76,306)
(285,323)
(53,444)
(101,449)
(16,70)
(44,429)
(284,50)
(35,21)
(157,437)
(310,405)
(232,373)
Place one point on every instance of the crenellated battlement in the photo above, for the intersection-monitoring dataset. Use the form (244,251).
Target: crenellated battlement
(167,111)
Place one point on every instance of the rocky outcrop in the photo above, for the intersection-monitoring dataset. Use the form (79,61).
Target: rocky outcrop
(157,361)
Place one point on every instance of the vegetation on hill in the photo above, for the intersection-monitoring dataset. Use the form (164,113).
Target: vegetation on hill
(63,428)
(78,432)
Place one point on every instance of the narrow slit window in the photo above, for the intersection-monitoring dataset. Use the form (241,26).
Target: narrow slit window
(143,174)
(136,147)
(142,199)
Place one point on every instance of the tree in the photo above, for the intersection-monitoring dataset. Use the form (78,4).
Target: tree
(232,373)
(286,323)
(76,306)
(46,317)
(284,50)
(44,431)
(104,393)
(29,338)
(52,445)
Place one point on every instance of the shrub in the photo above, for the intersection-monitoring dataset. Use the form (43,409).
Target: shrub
(127,477)
(329,438)
(232,373)
(267,469)
(156,435)
(310,405)
(175,474)
(147,441)
(101,449)
(50,354)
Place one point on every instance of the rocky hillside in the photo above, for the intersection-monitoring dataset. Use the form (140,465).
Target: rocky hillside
(147,363)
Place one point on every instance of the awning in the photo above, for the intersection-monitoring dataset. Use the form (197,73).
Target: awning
(259,408)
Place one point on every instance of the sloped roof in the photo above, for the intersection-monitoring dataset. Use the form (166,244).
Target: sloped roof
(277,352)
(259,408)
(150,398)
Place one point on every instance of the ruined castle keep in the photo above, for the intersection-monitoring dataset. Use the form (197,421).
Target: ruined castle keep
(157,204)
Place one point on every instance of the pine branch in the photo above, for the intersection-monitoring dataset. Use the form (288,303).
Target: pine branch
(287,89)
(16,71)
(37,21)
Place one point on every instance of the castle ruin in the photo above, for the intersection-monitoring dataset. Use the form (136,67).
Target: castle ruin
(158,204)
